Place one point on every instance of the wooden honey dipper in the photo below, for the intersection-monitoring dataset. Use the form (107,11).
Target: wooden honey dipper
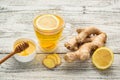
(19,48)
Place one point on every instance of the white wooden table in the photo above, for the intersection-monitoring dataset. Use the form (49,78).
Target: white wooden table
(16,22)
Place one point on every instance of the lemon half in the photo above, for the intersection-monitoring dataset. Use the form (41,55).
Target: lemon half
(102,58)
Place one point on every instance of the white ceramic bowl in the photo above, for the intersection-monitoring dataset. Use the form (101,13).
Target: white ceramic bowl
(26,58)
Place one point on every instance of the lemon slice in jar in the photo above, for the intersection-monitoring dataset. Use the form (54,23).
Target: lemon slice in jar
(47,22)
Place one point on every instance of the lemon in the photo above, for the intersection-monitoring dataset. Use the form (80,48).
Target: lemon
(47,22)
(102,58)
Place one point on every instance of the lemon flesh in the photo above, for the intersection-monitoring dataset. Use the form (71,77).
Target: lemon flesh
(47,22)
(102,58)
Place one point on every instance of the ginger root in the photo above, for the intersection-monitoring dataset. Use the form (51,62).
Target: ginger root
(58,58)
(73,45)
(51,61)
(82,37)
(84,50)
(52,57)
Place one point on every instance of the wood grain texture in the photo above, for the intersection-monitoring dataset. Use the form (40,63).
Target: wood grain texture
(66,71)
(16,18)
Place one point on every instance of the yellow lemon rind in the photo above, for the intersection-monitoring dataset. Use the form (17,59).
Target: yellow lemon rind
(110,63)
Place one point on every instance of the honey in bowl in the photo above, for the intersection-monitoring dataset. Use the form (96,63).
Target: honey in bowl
(48,29)
(29,53)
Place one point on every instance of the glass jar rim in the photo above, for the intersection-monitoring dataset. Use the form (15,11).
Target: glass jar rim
(48,32)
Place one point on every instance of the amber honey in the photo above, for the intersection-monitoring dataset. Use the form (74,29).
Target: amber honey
(28,54)
(27,51)
(48,31)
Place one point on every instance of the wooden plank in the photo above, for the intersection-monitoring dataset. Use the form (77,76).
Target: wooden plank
(66,71)
(96,3)
(17,16)
(21,29)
